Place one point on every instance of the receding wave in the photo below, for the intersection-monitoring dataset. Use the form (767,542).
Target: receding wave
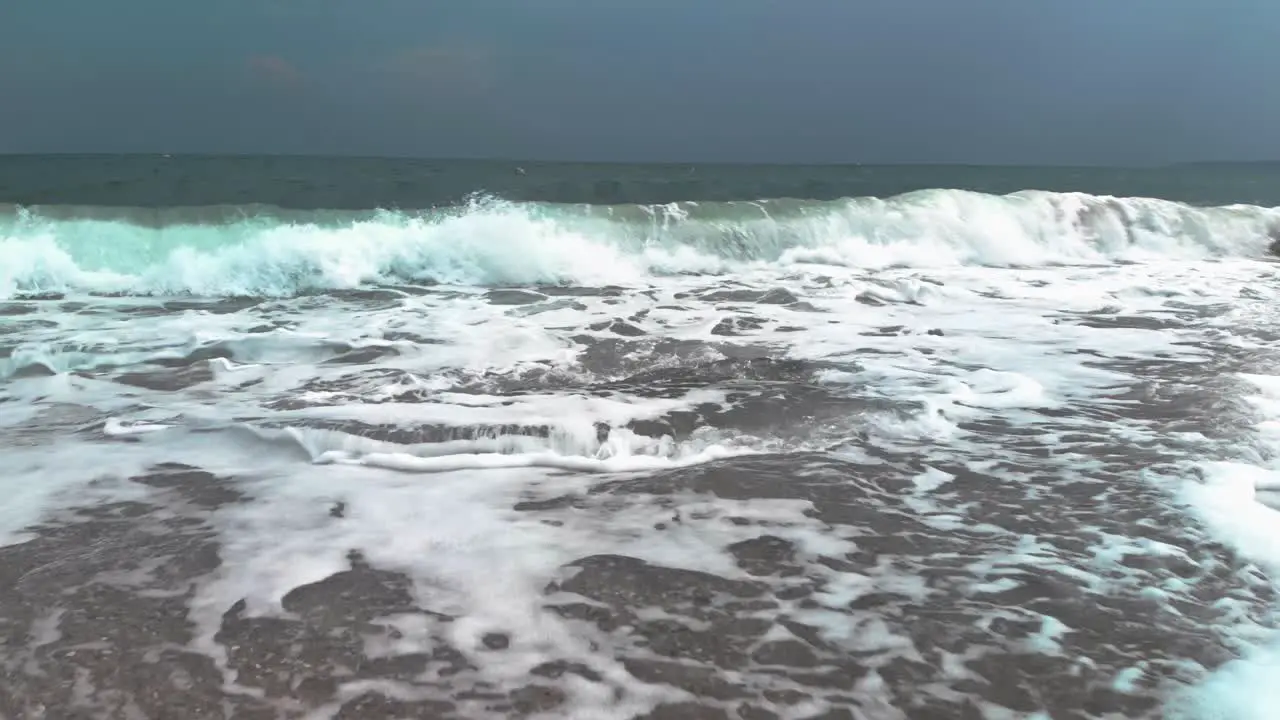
(264,251)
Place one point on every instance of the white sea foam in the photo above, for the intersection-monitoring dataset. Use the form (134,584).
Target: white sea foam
(1228,501)
(497,243)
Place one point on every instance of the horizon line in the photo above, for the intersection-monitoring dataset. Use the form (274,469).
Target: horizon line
(714,163)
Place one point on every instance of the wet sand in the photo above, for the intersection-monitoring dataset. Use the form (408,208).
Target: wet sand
(95,620)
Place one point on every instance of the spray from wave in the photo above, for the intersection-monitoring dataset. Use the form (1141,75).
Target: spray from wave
(262,252)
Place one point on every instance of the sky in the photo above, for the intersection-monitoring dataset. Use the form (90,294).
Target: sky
(871,81)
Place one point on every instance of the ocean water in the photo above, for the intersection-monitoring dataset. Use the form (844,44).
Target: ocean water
(350,438)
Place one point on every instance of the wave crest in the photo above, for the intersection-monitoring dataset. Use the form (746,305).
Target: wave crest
(260,252)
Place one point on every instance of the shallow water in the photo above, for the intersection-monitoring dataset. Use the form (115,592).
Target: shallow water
(794,491)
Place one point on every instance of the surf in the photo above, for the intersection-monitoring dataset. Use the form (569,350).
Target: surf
(258,251)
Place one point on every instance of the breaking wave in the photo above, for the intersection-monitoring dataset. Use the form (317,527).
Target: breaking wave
(262,251)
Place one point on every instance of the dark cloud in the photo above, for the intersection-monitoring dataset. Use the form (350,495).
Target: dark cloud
(449,68)
(274,69)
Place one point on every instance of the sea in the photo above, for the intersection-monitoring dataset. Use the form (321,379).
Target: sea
(346,438)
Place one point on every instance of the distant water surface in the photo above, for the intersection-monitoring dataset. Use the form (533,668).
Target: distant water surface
(365,183)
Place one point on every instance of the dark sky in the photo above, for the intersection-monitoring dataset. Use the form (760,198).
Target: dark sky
(994,81)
